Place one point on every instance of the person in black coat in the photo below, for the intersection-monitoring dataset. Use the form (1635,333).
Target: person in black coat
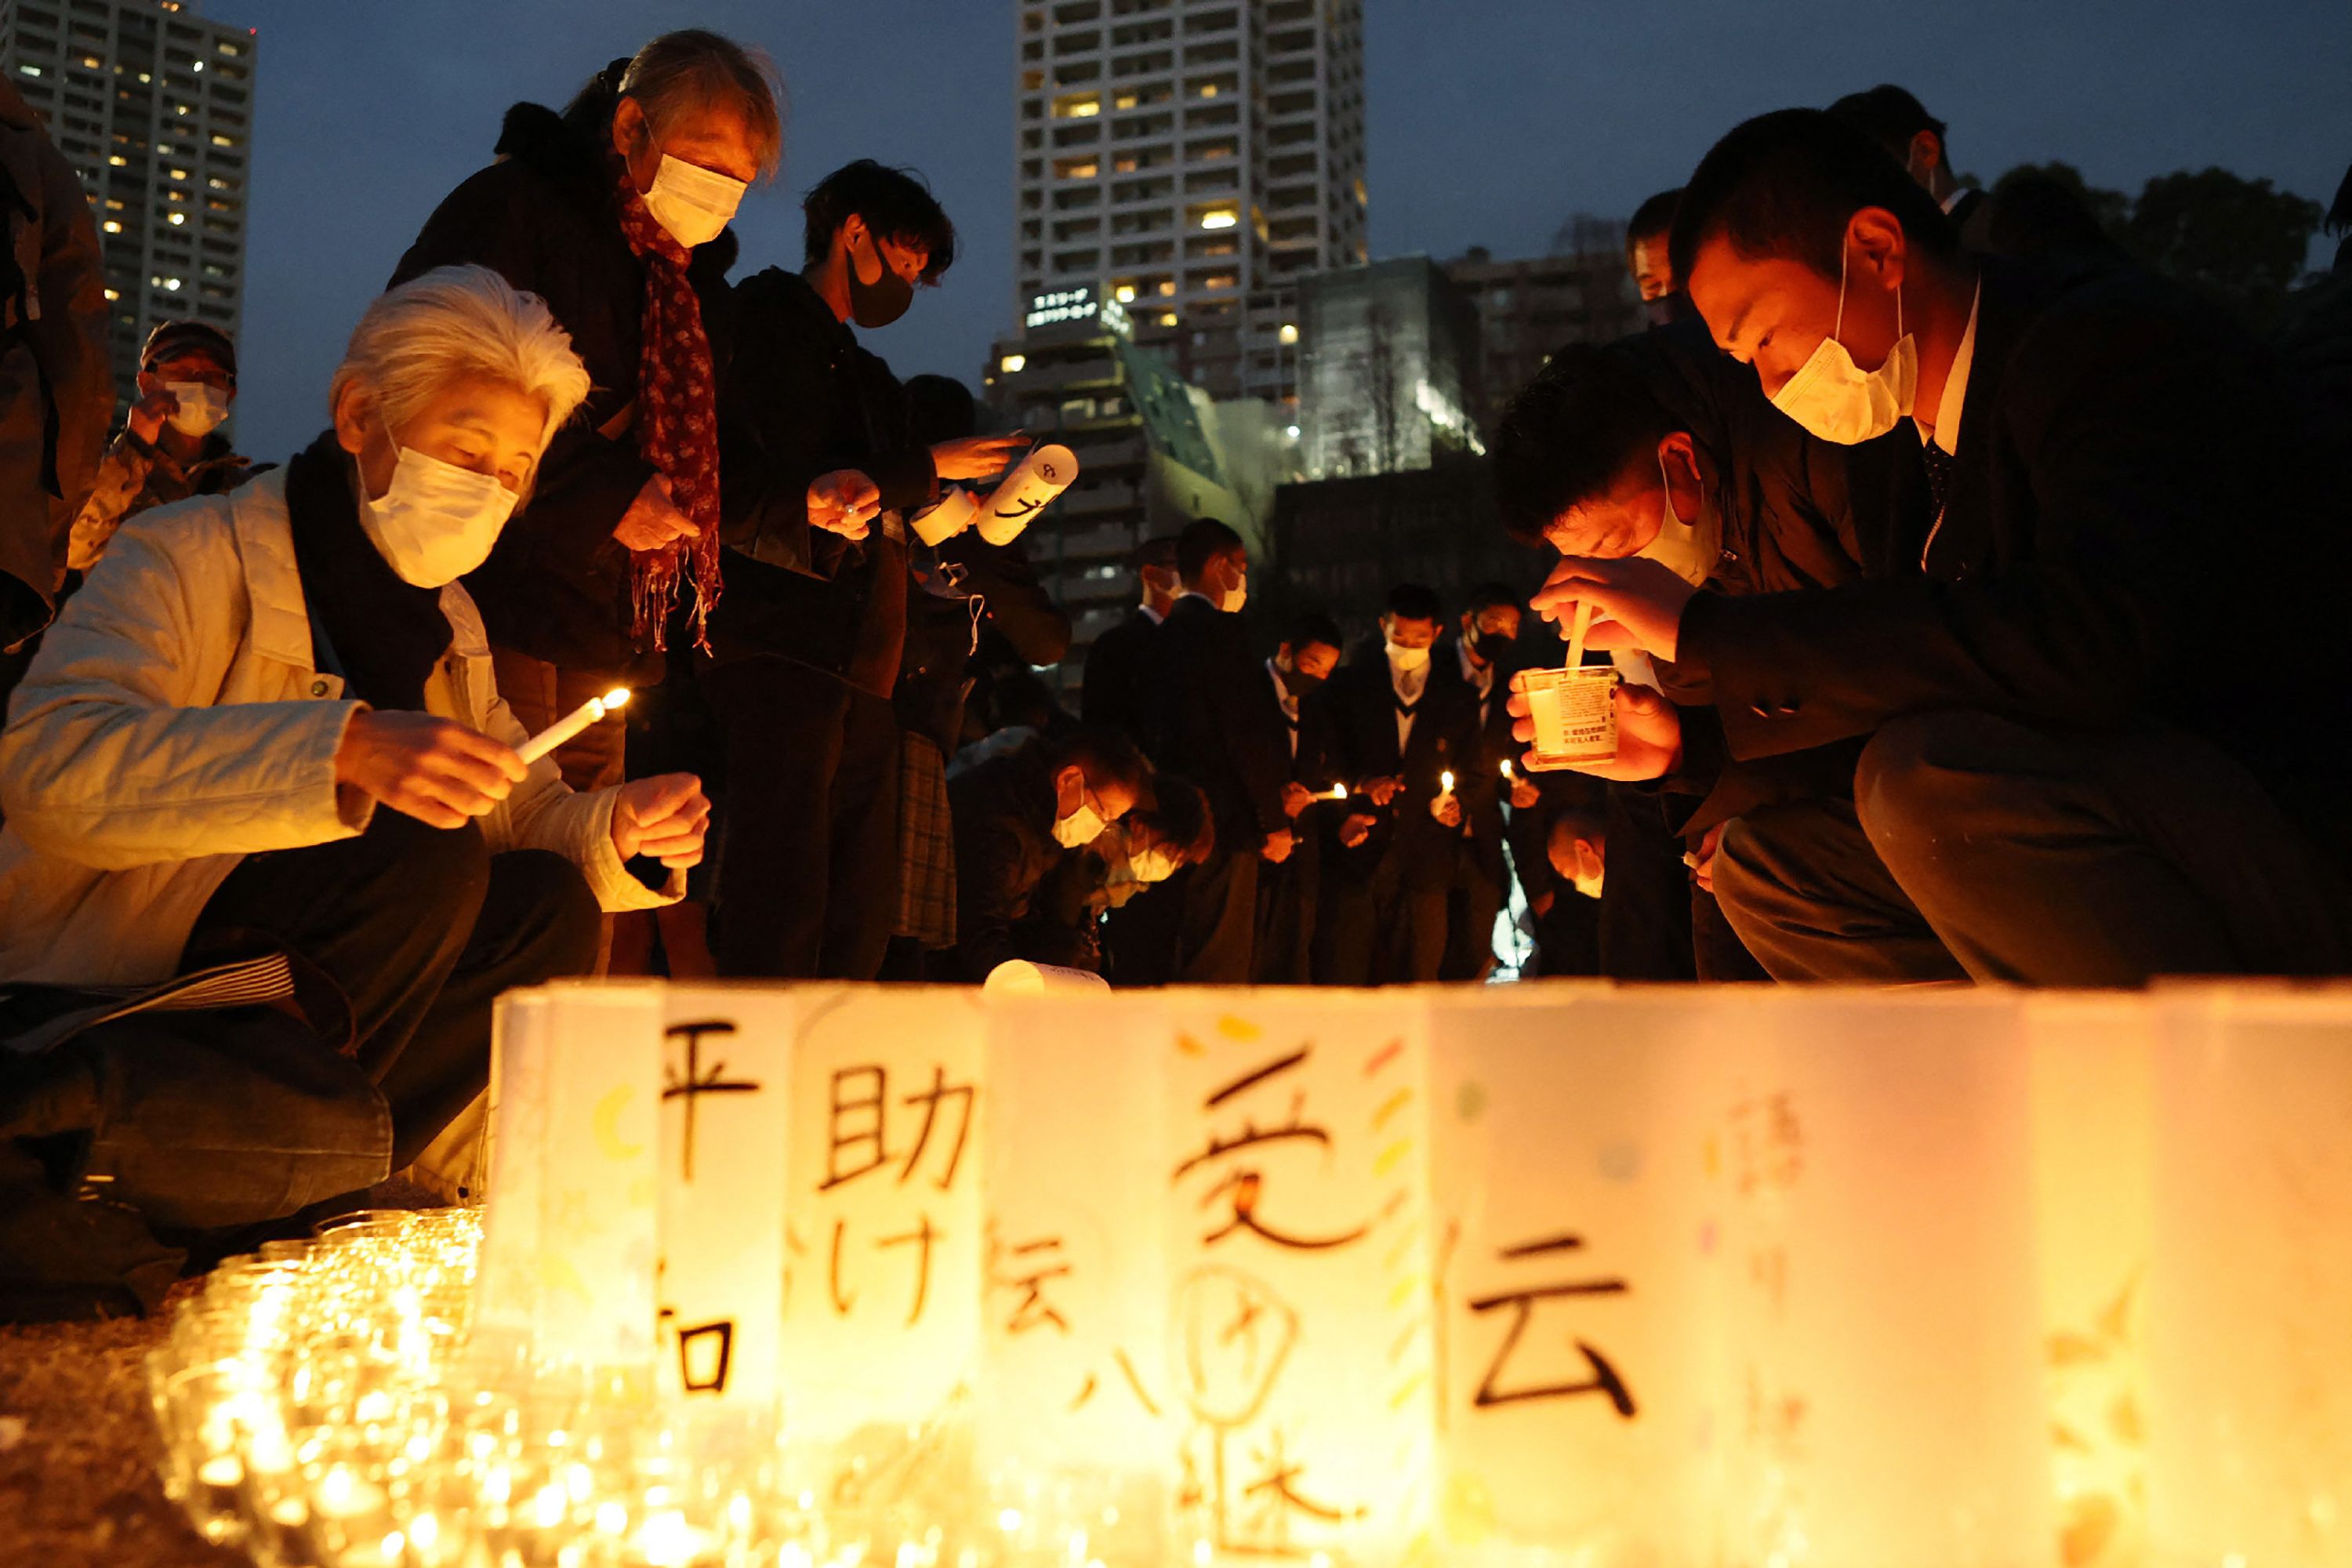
(1289,892)
(1659,445)
(1118,672)
(692,112)
(821,465)
(1017,815)
(1384,907)
(1207,718)
(964,588)
(1476,666)
(2058,781)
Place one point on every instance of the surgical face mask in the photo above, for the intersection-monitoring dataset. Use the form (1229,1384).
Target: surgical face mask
(1152,864)
(1297,682)
(1083,825)
(882,302)
(1406,660)
(1664,310)
(694,204)
(1492,647)
(1688,550)
(435,522)
(1838,401)
(202,406)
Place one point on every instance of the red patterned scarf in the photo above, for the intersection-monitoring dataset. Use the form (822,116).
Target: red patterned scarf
(677,426)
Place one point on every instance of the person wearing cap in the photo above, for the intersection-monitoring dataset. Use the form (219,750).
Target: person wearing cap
(170,447)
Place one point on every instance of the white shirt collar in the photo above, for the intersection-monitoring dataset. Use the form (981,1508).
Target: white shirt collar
(1948,407)
(1954,199)
(1156,616)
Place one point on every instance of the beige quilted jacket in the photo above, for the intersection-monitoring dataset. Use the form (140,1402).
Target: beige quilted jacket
(173,723)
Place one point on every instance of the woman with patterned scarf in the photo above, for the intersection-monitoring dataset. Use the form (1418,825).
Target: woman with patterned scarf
(615,213)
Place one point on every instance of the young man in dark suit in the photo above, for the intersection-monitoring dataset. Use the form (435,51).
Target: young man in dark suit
(1476,666)
(1206,720)
(2061,780)
(1400,731)
(1118,662)
(1290,894)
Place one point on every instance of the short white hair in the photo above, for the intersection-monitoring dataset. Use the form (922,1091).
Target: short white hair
(454,322)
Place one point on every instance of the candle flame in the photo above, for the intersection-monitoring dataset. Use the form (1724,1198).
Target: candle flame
(1338,791)
(1507,767)
(613,698)
(1446,779)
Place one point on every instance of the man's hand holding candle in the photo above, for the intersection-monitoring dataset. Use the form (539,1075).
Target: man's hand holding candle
(1638,603)
(440,772)
(1381,790)
(843,503)
(1295,797)
(665,817)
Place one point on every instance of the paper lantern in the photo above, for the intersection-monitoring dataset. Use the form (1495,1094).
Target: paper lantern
(2250,1298)
(570,1245)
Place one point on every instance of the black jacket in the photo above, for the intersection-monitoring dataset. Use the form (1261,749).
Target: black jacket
(992,584)
(544,217)
(801,399)
(1119,676)
(1005,846)
(1210,717)
(1444,738)
(2135,530)
(1479,776)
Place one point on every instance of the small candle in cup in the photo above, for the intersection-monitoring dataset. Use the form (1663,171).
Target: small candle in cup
(571,725)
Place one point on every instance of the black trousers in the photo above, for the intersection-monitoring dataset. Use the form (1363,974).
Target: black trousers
(1286,899)
(421,928)
(1472,906)
(1983,847)
(808,876)
(1645,896)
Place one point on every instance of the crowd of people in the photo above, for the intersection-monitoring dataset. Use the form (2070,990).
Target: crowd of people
(1896,704)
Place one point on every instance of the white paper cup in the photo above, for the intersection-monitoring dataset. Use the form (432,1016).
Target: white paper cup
(950,515)
(1575,715)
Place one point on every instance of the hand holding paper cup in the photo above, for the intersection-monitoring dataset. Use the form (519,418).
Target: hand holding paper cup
(1043,475)
(1589,721)
(945,518)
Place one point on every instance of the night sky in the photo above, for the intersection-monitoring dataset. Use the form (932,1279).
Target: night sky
(1490,121)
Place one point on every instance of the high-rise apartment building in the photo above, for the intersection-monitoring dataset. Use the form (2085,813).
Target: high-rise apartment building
(154,105)
(1190,159)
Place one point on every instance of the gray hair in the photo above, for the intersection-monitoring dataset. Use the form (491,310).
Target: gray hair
(694,72)
(454,322)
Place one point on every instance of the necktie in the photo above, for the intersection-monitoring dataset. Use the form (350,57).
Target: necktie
(1938,464)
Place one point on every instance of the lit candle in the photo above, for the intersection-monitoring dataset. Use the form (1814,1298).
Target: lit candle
(1337,792)
(571,725)
(1445,783)
(1508,775)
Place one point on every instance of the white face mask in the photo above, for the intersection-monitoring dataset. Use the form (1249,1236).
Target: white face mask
(1154,864)
(1688,550)
(202,407)
(1232,600)
(1083,825)
(1406,660)
(435,522)
(695,203)
(1836,400)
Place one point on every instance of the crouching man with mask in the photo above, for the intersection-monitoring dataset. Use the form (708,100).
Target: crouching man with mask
(270,725)
(170,447)
(2058,780)
(1658,447)
(1017,816)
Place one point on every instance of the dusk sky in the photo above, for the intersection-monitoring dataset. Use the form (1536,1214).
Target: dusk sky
(1490,121)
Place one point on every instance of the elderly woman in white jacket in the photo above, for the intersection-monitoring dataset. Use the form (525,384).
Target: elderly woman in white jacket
(268,723)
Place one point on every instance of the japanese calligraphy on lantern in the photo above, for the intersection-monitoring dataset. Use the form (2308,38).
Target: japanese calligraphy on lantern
(1576,1277)
(1298,1252)
(1870,1185)
(569,1249)
(727,1056)
(883,1231)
